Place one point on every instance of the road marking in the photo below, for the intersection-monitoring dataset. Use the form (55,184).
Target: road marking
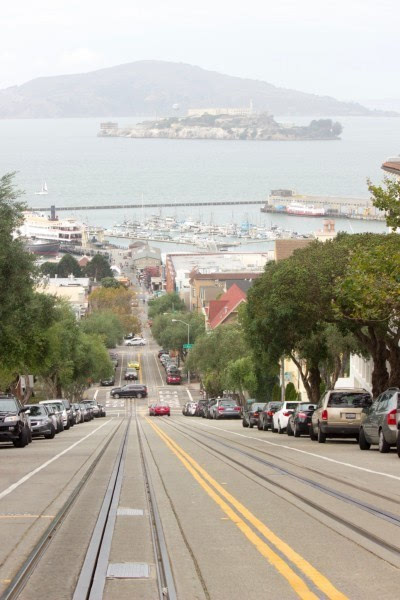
(299,586)
(190,395)
(15,485)
(95,395)
(338,462)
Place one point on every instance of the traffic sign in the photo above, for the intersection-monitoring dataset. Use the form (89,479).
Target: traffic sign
(187,346)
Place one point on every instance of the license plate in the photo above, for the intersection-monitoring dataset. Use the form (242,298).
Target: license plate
(229,409)
(350,415)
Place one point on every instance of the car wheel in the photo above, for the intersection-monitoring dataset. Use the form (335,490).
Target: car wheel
(259,425)
(313,437)
(362,441)
(116,396)
(245,423)
(398,444)
(289,429)
(273,428)
(251,425)
(383,446)
(139,395)
(49,436)
(265,427)
(67,426)
(29,436)
(22,440)
(280,430)
(321,436)
(296,431)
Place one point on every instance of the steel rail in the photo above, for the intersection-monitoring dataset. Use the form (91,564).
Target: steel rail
(165,579)
(93,574)
(21,578)
(391,518)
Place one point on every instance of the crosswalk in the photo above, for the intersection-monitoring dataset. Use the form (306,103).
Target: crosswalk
(169,396)
(114,403)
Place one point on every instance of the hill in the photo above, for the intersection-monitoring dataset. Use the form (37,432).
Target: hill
(149,87)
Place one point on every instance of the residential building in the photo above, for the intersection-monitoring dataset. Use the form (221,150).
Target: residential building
(145,256)
(205,287)
(225,309)
(75,290)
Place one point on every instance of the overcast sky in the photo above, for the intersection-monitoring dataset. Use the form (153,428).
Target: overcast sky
(344,48)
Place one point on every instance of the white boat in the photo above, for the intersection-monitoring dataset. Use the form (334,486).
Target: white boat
(43,190)
(297,208)
(41,227)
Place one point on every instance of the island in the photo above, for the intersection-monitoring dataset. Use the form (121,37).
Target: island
(260,127)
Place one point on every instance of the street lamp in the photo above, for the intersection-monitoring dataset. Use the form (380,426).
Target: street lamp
(188,338)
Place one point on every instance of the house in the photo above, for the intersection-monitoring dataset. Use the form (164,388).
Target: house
(205,287)
(145,256)
(225,309)
(75,290)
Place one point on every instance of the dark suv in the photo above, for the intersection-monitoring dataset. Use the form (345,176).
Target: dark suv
(14,424)
(131,390)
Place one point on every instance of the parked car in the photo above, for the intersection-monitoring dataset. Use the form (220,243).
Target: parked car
(189,409)
(131,390)
(266,414)
(86,412)
(162,351)
(108,381)
(199,407)
(300,419)
(338,414)
(131,375)
(251,413)
(379,421)
(281,417)
(135,342)
(225,408)
(207,408)
(94,407)
(160,410)
(41,421)
(129,336)
(173,378)
(14,423)
(78,413)
(59,409)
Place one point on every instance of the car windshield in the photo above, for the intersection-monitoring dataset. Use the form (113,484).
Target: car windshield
(257,405)
(306,406)
(55,407)
(348,399)
(228,402)
(274,406)
(291,405)
(7,405)
(36,411)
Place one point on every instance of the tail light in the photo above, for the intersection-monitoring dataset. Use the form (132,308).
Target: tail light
(324,415)
(303,415)
(221,408)
(287,413)
(270,413)
(391,417)
(255,414)
(237,408)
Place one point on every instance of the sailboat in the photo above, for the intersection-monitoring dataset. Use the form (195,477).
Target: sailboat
(43,190)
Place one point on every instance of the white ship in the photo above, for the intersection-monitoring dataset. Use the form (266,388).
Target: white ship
(40,227)
(297,208)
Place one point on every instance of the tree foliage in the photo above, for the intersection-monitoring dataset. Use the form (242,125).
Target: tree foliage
(174,335)
(98,268)
(110,282)
(387,198)
(165,304)
(106,325)
(119,302)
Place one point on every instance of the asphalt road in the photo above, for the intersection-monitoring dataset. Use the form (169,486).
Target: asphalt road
(245,513)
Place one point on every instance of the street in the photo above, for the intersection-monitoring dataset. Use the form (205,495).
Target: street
(245,513)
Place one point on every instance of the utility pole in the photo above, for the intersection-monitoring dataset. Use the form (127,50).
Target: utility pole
(283,379)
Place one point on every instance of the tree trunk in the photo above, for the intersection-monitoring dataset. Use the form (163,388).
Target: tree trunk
(311,380)
(394,362)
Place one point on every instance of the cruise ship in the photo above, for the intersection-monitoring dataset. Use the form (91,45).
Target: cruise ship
(38,226)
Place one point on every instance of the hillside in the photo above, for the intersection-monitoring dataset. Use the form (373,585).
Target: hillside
(149,87)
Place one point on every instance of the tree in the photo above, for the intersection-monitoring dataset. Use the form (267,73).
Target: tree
(276,393)
(173,335)
(291,394)
(240,377)
(49,268)
(212,353)
(98,268)
(165,304)
(119,302)
(68,265)
(105,325)
(387,198)
(110,282)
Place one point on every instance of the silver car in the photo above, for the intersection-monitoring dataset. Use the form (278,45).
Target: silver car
(379,421)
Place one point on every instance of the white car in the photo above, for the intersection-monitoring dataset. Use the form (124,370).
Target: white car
(135,342)
(58,406)
(281,417)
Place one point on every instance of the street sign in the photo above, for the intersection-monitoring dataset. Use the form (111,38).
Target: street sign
(187,346)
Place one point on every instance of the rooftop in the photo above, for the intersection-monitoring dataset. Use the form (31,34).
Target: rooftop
(220,309)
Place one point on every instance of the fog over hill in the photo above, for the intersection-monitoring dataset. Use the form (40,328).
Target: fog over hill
(154,87)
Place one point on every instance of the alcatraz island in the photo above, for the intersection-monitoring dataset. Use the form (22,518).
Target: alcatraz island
(225,126)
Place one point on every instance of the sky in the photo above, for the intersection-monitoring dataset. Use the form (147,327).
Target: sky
(348,49)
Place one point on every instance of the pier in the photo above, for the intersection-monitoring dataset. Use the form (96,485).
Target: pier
(143,206)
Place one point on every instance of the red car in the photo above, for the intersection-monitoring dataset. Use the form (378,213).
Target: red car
(173,378)
(159,409)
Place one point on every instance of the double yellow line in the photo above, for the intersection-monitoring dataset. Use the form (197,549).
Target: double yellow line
(222,497)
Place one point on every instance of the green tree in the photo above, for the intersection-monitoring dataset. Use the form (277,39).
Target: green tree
(106,325)
(98,268)
(68,265)
(276,393)
(174,335)
(110,282)
(387,198)
(166,304)
(240,377)
(118,301)
(291,394)
(49,268)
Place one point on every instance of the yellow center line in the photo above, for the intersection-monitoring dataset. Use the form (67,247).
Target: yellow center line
(301,563)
